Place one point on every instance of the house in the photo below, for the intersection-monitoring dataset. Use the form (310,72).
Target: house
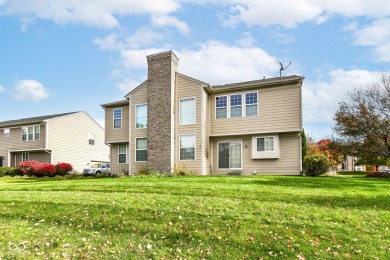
(174,121)
(73,138)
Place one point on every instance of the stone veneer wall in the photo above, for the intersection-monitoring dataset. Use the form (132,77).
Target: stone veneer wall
(161,69)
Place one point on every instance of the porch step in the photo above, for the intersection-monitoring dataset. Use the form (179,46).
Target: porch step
(235,173)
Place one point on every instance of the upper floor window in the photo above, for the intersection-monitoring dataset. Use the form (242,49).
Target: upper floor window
(117,118)
(236,105)
(265,144)
(122,153)
(187,111)
(251,104)
(141,116)
(7,132)
(141,150)
(187,147)
(221,107)
(91,139)
(30,133)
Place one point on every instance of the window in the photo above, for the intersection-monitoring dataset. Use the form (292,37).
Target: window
(221,107)
(236,105)
(265,144)
(251,104)
(141,150)
(187,147)
(91,139)
(30,133)
(25,157)
(187,111)
(117,118)
(7,132)
(122,153)
(141,116)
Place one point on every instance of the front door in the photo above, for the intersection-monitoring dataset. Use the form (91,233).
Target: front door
(229,155)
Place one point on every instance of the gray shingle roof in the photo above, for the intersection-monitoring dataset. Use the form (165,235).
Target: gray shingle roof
(31,120)
(257,82)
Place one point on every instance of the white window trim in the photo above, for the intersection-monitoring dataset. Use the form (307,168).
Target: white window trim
(27,155)
(135,115)
(266,154)
(227,107)
(188,160)
(33,133)
(89,139)
(122,153)
(230,141)
(243,105)
(257,103)
(113,118)
(194,110)
(135,149)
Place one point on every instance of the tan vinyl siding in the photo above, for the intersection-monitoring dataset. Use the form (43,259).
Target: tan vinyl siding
(206,131)
(68,140)
(138,97)
(115,135)
(116,167)
(14,142)
(189,89)
(279,110)
(16,158)
(287,164)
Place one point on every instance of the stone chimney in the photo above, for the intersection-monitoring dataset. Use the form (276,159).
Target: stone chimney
(161,99)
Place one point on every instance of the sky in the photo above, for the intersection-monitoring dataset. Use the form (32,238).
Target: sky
(70,55)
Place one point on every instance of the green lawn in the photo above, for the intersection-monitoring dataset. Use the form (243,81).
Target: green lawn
(210,217)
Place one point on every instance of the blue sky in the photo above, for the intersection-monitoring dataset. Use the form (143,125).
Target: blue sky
(63,56)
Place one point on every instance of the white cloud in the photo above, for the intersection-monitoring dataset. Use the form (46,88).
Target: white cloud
(376,35)
(30,90)
(320,98)
(2,89)
(216,62)
(97,13)
(163,20)
(265,13)
(246,40)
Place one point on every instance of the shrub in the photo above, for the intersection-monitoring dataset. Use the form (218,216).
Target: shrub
(181,170)
(36,168)
(378,175)
(63,168)
(10,171)
(316,164)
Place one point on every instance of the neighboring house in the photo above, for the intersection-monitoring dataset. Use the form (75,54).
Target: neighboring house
(347,164)
(172,120)
(73,138)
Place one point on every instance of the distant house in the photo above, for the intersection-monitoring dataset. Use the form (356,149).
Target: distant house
(73,138)
(172,120)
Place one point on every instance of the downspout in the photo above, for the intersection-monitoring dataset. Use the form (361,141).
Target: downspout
(46,123)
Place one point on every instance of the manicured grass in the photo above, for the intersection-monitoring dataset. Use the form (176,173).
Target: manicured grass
(212,217)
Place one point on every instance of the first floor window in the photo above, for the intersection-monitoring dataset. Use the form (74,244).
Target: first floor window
(187,147)
(25,157)
(141,150)
(265,144)
(117,118)
(122,153)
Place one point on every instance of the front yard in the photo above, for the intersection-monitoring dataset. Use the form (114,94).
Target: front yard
(210,217)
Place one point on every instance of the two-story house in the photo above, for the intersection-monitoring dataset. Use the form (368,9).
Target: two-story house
(172,120)
(74,138)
